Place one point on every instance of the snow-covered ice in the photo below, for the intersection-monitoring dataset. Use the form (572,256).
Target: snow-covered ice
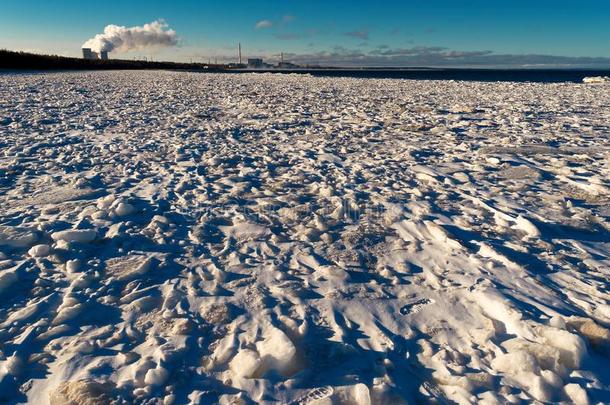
(171,237)
(596,79)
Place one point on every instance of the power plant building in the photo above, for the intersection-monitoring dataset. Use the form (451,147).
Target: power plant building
(90,55)
(255,63)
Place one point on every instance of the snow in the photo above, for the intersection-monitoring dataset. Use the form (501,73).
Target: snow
(596,79)
(124,209)
(75,235)
(156,376)
(40,251)
(7,279)
(17,237)
(172,237)
(277,353)
(577,394)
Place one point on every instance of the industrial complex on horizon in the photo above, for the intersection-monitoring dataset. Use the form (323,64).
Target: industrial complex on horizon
(252,63)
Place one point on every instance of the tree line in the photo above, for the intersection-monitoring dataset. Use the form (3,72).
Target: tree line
(12,60)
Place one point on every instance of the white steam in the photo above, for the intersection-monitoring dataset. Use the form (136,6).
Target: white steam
(123,39)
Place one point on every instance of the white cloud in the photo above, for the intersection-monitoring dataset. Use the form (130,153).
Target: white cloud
(124,39)
(439,57)
(263,24)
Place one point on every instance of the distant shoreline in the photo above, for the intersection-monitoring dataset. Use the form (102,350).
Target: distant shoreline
(22,62)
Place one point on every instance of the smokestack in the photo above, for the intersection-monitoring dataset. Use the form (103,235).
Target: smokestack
(239,52)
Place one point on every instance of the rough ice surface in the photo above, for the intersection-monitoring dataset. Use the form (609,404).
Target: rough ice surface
(182,238)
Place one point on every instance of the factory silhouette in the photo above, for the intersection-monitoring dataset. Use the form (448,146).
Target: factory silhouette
(90,55)
(252,63)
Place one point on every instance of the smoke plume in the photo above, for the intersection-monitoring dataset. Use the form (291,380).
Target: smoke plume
(123,39)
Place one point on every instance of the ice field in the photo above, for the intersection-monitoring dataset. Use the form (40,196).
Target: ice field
(173,238)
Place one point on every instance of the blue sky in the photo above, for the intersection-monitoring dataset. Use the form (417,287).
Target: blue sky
(435,32)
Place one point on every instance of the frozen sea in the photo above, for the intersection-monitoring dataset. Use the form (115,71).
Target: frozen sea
(187,238)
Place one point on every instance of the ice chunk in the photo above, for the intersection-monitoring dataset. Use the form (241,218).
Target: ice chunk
(72,266)
(596,79)
(245,363)
(332,272)
(128,267)
(124,209)
(17,237)
(547,356)
(67,313)
(598,336)
(330,158)
(572,347)
(498,307)
(15,365)
(156,376)
(461,177)
(577,394)
(552,378)
(7,279)
(358,394)
(39,251)
(75,235)
(245,231)
(539,389)
(104,203)
(515,362)
(527,226)
(277,353)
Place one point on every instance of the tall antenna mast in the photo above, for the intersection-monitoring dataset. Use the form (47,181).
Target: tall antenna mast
(239,50)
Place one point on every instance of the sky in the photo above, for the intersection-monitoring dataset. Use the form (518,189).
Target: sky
(561,33)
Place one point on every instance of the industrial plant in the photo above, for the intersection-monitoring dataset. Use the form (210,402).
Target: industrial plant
(252,63)
(91,55)
(259,63)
